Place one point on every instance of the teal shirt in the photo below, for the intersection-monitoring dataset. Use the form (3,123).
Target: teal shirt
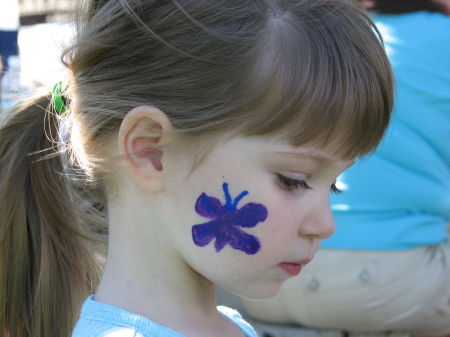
(102,320)
(400,197)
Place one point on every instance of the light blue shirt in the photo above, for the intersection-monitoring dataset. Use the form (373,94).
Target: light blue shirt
(400,197)
(102,320)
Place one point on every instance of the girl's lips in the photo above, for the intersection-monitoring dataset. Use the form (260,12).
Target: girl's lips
(292,269)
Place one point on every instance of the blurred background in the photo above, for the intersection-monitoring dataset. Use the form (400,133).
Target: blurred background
(32,35)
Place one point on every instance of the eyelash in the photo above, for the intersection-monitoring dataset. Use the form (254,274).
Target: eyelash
(336,190)
(290,184)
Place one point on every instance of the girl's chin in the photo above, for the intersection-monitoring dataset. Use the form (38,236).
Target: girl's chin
(260,293)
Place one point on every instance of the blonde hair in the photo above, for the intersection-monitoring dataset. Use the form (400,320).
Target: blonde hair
(308,71)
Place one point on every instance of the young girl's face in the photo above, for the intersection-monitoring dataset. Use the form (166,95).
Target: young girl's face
(253,213)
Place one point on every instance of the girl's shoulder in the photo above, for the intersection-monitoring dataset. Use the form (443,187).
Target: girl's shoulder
(102,320)
(237,319)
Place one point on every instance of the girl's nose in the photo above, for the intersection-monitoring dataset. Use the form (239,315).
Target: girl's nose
(318,221)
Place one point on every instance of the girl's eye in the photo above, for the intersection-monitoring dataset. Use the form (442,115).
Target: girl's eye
(291,184)
(336,190)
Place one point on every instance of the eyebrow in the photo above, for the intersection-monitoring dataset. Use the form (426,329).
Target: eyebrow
(305,155)
(308,156)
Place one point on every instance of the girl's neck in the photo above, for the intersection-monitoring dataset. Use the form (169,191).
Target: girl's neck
(186,304)
(145,277)
(153,284)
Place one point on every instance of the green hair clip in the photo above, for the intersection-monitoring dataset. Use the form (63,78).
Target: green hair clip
(58,99)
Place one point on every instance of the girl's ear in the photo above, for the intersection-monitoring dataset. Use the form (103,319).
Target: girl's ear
(143,134)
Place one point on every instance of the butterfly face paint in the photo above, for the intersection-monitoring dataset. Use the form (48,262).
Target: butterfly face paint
(226,220)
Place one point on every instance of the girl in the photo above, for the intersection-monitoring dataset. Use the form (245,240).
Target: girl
(208,134)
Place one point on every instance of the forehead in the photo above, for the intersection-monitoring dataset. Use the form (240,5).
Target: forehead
(279,149)
(232,148)
(319,157)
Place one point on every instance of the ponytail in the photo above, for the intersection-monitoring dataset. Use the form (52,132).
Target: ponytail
(47,268)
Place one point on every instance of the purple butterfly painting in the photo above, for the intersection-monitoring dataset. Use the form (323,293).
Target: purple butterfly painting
(226,221)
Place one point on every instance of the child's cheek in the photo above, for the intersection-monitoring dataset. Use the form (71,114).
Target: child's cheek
(279,227)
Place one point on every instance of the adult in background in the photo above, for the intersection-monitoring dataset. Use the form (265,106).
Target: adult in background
(387,267)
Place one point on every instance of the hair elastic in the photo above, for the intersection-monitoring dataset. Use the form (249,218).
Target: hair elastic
(58,99)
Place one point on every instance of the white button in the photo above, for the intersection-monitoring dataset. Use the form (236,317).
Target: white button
(313,284)
(365,276)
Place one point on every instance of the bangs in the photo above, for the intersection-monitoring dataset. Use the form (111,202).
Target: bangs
(322,86)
